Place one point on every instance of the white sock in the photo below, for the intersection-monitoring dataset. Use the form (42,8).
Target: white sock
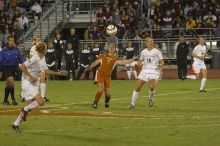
(134,97)
(151,93)
(129,74)
(18,120)
(135,73)
(42,89)
(31,106)
(203,83)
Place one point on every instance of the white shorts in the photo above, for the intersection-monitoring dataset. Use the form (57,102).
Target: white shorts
(131,64)
(145,76)
(197,66)
(29,90)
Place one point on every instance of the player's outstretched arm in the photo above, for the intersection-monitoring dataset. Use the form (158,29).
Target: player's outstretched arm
(94,64)
(59,73)
(122,62)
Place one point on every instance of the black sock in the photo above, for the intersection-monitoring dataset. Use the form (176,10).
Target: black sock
(7,90)
(12,91)
(107,99)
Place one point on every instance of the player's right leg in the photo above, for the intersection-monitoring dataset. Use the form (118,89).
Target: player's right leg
(135,93)
(129,72)
(98,94)
(204,79)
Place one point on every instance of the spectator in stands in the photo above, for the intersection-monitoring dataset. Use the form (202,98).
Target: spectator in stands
(95,34)
(18,29)
(23,20)
(87,33)
(2,37)
(101,27)
(1,5)
(217,9)
(121,31)
(58,46)
(210,20)
(190,26)
(116,17)
(167,23)
(157,32)
(74,40)
(37,10)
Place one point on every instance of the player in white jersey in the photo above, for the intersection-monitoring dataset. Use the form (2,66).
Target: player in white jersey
(199,53)
(42,80)
(150,72)
(31,71)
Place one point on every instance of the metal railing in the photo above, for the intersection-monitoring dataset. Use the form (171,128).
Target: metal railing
(166,46)
(86,7)
(39,23)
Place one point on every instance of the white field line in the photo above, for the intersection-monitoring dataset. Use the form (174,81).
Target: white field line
(74,103)
(123,128)
(182,92)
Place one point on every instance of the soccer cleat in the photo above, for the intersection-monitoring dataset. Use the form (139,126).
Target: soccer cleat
(150,102)
(6,103)
(24,114)
(16,128)
(22,98)
(46,99)
(131,106)
(94,105)
(203,90)
(106,104)
(14,102)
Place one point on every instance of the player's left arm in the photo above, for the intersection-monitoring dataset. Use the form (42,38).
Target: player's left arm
(161,63)
(126,61)
(161,60)
(59,73)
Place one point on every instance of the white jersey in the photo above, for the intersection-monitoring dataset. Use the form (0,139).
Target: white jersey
(151,60)
(199,50)
(33,50)
(35,65)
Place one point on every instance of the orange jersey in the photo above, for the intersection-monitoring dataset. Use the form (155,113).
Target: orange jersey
(107,63)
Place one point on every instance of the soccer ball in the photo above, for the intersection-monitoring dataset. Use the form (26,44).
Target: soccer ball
(111,30)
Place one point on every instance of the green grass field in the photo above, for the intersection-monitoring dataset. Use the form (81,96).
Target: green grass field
(181,116)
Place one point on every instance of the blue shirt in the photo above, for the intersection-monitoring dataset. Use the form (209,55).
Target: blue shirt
(10,57)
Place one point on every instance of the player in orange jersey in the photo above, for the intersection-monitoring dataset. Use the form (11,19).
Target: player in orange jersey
(107,63)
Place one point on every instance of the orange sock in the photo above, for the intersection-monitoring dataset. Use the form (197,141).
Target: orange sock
(98,96)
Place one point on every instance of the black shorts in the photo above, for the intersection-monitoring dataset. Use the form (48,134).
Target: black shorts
(9,71)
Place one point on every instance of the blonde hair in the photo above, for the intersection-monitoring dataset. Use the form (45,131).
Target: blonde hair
(41,47)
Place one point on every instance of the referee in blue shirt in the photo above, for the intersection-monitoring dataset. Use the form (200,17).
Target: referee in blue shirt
(10,58)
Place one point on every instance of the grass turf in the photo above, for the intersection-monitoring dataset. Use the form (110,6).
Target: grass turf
(182,116)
